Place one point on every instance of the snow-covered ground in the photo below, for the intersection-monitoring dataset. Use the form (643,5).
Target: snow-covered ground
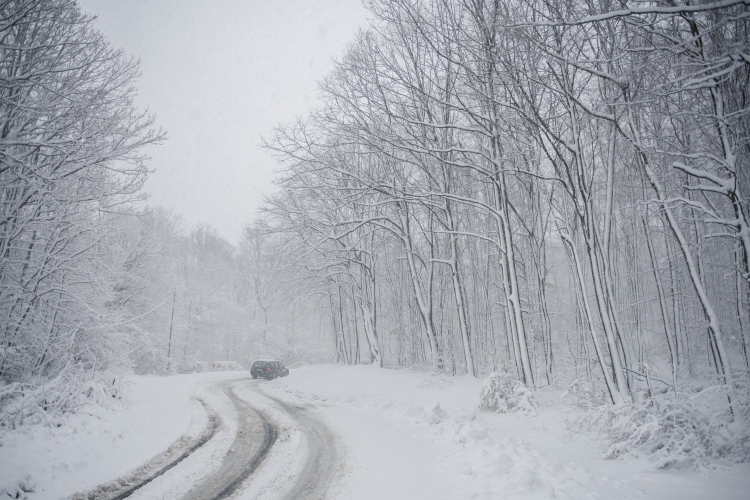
(419,435)
(98,444)
(404,435)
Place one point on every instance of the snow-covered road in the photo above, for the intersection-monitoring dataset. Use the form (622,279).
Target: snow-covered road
(255,436)
(323,464)
(278,450)
(330,432)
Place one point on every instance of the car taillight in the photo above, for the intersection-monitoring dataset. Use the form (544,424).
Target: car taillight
(268,369)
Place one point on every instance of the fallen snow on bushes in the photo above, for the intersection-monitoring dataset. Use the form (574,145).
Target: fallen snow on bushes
(419,435)
(501,393)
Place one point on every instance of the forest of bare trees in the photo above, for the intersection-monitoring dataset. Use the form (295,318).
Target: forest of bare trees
(92,287)
(557,189)
(193,298)
(69,160)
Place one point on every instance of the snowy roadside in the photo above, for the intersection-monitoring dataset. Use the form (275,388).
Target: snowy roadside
(419,435)
(99,444)
(404,435)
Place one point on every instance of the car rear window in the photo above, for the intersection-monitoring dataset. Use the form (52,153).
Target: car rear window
(261,364)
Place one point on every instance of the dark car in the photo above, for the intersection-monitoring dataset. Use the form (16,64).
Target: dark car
(268,369)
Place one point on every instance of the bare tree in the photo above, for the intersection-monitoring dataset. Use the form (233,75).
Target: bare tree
(69,156)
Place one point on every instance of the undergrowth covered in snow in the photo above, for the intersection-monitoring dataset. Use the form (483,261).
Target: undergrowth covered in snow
(501,393)
(583,394)
(694,429)
(40,402)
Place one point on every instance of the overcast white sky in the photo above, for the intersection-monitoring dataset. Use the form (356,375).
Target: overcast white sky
(218,74)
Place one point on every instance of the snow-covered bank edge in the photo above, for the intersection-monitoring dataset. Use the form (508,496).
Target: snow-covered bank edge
(204,461)
(204,424)
(100,445)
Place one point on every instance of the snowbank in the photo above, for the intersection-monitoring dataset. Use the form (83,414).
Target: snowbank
(473,453)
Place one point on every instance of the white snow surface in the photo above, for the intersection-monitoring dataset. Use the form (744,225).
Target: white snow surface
(404,435)
(420,436)
(97,445)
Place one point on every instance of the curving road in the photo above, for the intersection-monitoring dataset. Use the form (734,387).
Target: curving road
(322,462)
(256,435)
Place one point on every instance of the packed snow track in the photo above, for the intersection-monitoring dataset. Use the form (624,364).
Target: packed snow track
(254,438)
(263,451)
(319,470)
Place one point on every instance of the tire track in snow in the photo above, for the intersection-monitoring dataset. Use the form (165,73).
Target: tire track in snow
(321,465)
(254,440)
(255,437)
(306,459)
(123,487)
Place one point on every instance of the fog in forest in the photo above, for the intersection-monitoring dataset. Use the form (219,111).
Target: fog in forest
(554,192)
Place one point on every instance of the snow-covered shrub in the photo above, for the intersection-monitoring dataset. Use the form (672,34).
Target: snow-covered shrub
(693,431)
(584,394)
(45,402)
(148,354)
(433,413)
(502,394)
(671,435)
